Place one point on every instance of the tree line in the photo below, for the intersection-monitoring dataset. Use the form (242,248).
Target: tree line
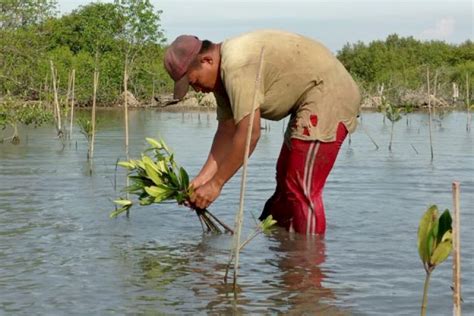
(98,37)
(400,65)
(108,37)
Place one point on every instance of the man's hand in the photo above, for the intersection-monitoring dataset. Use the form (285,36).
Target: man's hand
(205,194)
(197,182)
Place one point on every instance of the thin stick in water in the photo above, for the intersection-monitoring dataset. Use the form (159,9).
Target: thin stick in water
(73,80)
(240,213)
(56,101)
(456,251)
(429,109)
(94,97)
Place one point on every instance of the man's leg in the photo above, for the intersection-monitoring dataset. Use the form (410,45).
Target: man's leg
(274,206)
(308,167)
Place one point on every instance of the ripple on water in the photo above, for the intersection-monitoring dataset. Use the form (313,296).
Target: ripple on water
(61,254)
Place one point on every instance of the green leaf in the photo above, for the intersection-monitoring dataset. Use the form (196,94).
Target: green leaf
(139,164)
(146,200)
(443,250)
(152,173)
(127,164)
(154,143)
(184,178)
(163,144)
(123,202)
(119,211)
(155,191)
(267,224)
(445,224)
(425,233)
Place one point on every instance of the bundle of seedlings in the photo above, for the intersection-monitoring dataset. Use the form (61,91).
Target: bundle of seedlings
(158,178)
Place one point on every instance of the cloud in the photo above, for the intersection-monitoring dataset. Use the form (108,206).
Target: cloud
(443,29)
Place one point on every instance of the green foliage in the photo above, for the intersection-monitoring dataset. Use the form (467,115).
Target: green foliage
(23,13)
(12,112)
(434,237)
(392,113)
(93,36)
(158,178)
(401,62)
(155,179)
(85,127)
(434,244)
(267,224)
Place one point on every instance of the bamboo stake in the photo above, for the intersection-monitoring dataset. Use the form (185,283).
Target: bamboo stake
(68,95)
(468,104)
(56,101)
(435,89)
(94,97)
(239,215)
(429,109)
(456,251)
(125,108)
(73,79)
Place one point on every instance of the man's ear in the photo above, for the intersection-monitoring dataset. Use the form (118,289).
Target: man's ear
(207,59)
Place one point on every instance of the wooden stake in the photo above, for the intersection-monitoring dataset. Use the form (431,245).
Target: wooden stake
(56,101)
(240,214)
(73,79)
(94,97)
(456,251)
(429,109)
(125,108)
(468,104)
(68,95)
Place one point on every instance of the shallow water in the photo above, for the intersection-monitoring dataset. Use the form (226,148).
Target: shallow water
(61,254)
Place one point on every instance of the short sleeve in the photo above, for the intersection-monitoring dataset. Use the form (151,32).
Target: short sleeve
(240,87)
(223,111)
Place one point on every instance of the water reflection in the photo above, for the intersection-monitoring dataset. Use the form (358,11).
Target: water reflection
(301,259)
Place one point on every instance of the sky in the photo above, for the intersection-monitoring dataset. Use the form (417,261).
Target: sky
(334,23)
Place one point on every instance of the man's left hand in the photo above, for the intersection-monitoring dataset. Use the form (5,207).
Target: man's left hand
(204,195)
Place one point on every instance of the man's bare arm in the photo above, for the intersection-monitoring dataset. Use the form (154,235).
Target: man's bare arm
(221,145)
(205,194)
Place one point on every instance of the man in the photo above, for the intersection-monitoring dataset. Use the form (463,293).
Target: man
(300,78)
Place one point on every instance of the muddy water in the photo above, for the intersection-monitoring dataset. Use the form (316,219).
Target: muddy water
(61,254)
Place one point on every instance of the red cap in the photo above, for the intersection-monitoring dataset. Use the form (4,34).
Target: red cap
(178,57)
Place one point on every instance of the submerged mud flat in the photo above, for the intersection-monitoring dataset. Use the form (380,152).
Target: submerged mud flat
(60,253)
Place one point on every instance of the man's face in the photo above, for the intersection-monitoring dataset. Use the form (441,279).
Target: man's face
(203,75)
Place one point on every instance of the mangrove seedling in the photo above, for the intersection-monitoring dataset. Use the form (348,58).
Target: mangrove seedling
(158,178)
(85,127)
(434,244)
(393,114)
(264,227)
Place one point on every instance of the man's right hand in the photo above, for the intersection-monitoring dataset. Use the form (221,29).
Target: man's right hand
(197,182)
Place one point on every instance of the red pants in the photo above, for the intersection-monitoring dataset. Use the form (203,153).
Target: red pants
(302,170)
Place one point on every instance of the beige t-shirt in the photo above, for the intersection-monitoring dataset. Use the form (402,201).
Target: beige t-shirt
(300,77)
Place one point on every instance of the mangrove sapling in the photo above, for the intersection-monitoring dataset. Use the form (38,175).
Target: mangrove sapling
(158,178)
(85,128)
(434,244)
(264,227)
(13,113)
(393,114)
